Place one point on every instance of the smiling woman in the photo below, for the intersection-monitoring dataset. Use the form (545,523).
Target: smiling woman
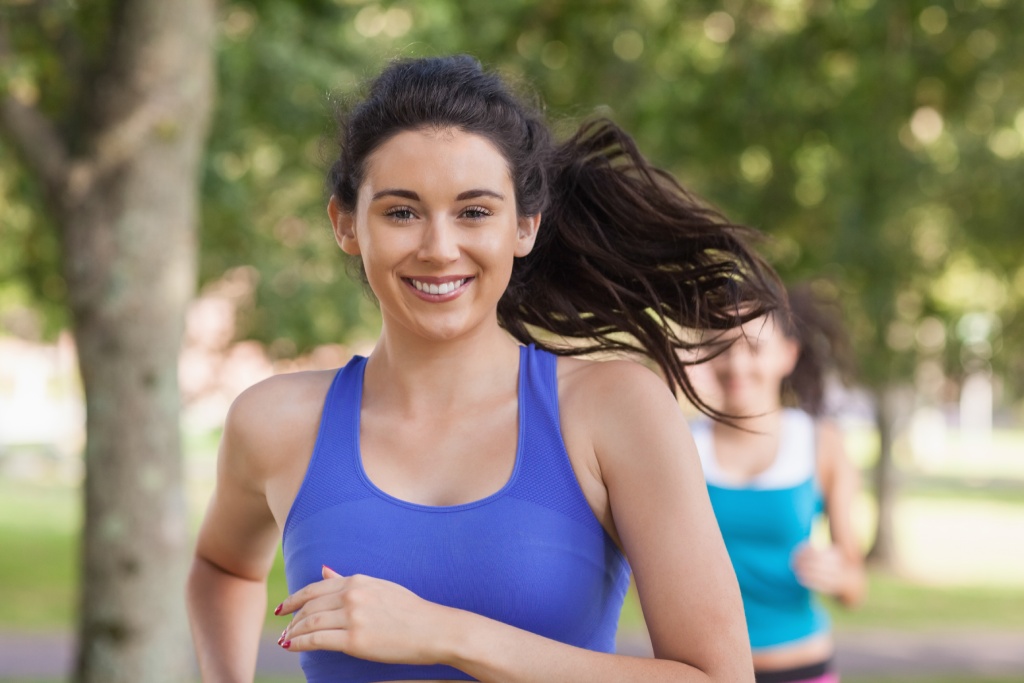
(447,237)
(467,502)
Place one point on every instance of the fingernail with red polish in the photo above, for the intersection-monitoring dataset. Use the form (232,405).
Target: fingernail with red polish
(286,644)
(277,610)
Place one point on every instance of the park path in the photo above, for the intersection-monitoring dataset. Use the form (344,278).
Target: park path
(890,653)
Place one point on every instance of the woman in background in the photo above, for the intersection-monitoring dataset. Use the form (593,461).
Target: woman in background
(770,471)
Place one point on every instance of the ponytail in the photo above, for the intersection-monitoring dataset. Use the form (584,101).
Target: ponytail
(627,260)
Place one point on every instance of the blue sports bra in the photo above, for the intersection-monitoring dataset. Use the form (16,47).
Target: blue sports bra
(532,555)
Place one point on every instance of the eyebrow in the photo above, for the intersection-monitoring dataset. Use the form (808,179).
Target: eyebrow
(409,194)
(473,194)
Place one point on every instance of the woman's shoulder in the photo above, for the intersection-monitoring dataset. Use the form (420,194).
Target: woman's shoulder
(609,382)
(281,397)
(620,396)
(272,418)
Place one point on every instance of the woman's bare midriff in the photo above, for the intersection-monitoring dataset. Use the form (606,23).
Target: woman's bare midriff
(805,652)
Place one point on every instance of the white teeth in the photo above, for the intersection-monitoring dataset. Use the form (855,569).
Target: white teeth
(443,288)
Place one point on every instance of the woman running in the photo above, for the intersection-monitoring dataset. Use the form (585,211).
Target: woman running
(769,474)
(467,502)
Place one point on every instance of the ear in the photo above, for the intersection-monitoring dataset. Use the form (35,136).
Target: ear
(527,234)
(344,226)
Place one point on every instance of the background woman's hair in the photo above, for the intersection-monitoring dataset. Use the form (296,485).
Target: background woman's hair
(625,259)
(816,324)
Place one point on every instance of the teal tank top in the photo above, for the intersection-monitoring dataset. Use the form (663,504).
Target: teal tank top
(532,555)
(763,522)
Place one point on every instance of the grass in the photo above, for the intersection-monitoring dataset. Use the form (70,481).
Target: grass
(38,532)
(38,526)
(895,603)
(38,529)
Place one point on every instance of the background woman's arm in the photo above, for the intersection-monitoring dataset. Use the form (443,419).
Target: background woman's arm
(839,569)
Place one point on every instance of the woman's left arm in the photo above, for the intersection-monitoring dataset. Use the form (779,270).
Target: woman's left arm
(663,519)
(839,569)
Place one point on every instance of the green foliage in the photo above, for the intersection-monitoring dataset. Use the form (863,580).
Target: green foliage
(876,142)
(870,140)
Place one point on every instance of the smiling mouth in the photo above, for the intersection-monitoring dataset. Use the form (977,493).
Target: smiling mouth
(438,288)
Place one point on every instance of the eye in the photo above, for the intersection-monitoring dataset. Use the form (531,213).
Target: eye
(476,213)
(401,214)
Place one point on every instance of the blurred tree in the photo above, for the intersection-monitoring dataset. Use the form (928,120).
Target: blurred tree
(106,107)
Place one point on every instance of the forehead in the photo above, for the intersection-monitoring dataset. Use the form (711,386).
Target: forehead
(757,331)
(443,161)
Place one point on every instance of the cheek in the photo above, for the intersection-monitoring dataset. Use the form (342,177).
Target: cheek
(495,248)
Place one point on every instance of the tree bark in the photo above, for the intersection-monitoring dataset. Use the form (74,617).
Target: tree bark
(887,417)
(123,189)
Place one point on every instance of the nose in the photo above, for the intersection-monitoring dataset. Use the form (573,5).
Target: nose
(734,359)
(439,243)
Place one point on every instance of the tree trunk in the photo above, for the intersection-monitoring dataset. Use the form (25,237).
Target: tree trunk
(130,262)
(128,307)
(887,416)
(129,248)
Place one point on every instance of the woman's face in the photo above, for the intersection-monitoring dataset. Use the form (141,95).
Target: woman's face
(435,224)
(747,378)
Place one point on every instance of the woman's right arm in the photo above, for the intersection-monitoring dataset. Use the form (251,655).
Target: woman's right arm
(226,591)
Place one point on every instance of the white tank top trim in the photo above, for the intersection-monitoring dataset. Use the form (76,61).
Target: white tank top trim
(794,463)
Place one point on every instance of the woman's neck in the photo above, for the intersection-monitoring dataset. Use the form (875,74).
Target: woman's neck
(765,423)
(418,375)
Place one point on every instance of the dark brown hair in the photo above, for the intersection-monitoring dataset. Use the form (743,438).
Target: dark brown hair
(626,259)
(815,323)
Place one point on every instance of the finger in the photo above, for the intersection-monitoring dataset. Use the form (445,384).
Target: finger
(804,562)
(819,581)
(810,583)
(318,640)
(296,600)
(329,573)
(322,603)
(328,620)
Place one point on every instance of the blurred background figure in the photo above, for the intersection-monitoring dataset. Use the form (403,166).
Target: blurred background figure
(771,469)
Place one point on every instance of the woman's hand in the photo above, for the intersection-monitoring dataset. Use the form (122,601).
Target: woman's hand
(365,617)
(823,570)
